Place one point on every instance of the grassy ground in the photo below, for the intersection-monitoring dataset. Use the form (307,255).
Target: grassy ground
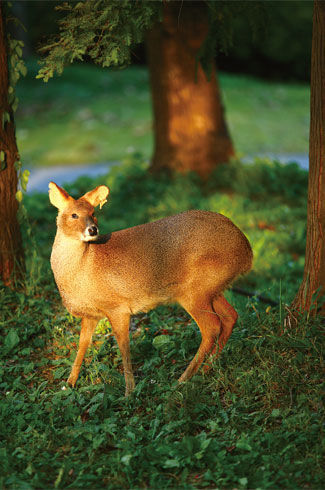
(94,115)
(254,421)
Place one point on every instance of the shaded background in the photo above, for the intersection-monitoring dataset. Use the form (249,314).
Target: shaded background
(279,49)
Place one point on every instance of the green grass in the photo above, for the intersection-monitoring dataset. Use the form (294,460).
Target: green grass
(254,421)
(94,115)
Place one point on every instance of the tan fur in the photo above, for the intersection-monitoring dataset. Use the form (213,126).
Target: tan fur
(189,258)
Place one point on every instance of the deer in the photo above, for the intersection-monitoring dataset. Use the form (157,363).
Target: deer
(189,258)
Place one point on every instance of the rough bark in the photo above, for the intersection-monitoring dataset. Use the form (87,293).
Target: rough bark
(312,289)
(11,251)
(189,126)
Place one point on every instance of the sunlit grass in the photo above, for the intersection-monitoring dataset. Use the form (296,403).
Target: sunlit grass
(266,117)
(94,115)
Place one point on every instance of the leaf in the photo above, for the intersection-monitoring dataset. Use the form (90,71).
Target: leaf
(275,412)
(243,444)
(3,160)
(161,341)
(171,463)
(243,481)
(11,340)
(126,459)
(24,179)
(5,118)
(93,408)
(19,196)
(58,373)
(23,70)
(59,477)
(15,104)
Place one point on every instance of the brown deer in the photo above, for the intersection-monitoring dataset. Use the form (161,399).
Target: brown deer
(189,258)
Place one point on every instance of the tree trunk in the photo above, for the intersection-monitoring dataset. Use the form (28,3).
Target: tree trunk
(313,284)
(11,251)
(189,126)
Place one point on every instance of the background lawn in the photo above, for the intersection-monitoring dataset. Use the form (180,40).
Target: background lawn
(94,115)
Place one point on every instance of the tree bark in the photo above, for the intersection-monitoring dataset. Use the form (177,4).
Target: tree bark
(312,289)
(189,126)
(11,250)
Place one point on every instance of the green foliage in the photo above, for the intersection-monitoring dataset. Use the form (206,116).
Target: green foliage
(254,421)
(222,16)
(16,65)
(16,69)
(101,30)
(106,31)
(282,50)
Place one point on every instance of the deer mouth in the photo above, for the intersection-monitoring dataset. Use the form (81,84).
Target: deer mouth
(90,234)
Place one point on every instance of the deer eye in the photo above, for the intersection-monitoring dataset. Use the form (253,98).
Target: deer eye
(74,216)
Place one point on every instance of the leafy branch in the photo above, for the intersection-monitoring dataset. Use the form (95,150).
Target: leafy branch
(103,31)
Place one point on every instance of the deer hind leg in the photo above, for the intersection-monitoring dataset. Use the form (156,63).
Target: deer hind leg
(88,326)
(210,326)
(228,317)
(120,323)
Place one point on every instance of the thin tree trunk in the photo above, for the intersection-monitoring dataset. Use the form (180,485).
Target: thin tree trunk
(11,250)
(189,125)
(313,284)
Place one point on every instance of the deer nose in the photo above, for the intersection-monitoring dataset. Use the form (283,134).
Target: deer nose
(93,230)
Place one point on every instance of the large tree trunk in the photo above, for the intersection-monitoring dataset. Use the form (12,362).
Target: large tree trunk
(307,298)
(11,251)
(189,126)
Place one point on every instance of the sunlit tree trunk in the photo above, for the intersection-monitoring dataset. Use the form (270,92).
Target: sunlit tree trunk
(314,274)
(189,125)
(11,251)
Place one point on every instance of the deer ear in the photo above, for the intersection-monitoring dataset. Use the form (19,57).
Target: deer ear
(58,197)
(97,196)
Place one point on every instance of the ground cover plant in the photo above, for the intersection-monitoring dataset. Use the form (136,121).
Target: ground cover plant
(254,421)
(89,114)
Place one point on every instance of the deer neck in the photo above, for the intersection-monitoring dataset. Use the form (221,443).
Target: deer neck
(67,256)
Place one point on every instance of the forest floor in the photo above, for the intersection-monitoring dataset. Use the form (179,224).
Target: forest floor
(255,420)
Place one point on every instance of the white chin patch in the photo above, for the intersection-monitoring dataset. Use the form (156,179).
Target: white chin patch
(88,238)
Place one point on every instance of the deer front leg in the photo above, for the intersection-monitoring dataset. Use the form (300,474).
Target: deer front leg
(88,326)
(120,323)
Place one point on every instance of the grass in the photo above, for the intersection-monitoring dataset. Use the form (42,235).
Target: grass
(254,421)
(94,115)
